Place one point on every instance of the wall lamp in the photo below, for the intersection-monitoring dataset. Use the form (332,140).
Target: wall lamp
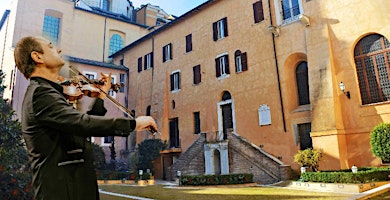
(304,19)
(274,30)
(342,88)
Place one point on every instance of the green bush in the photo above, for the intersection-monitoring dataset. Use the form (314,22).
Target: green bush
(112,175)
(380,141)
(308,158)
(216,179)
(149,150)
(364,175)
(15,186)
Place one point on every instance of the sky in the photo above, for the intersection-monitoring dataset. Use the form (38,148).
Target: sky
(174,7)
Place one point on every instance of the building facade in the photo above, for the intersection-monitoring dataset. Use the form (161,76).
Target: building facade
(269,71)
(88,32)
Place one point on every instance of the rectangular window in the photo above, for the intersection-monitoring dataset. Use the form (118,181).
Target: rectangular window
(188,43)
(197,122)
(139,64)
(240,61)
(167,52)
(174,140)
(290,8)
(239,64)
(122,81)
(111,92)
(220,29)
(258,11)
(148,62)
(108,140)
(222,66)
(197,74)
(51,28)
(175,81)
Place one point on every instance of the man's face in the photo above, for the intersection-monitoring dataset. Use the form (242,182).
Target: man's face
(51,55)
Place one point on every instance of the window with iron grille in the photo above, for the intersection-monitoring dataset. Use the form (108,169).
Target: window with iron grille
(116,43)
(372,59)
(51,28)
(301,74)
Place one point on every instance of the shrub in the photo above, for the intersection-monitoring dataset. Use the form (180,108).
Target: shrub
(380,140)
(308,158)
(99,158)
(216,179)
(149,150)
(364,175)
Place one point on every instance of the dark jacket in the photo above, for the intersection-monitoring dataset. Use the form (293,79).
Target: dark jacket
(57,142)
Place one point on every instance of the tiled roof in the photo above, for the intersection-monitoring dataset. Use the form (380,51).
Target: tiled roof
(111,15)
(96,63)
(168,25)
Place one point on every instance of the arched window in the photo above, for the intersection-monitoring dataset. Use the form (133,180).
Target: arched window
(372,55)
(302,83)
(148,109)
(116,43)
(226,96)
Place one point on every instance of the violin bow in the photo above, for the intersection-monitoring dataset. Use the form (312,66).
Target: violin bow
(109,97)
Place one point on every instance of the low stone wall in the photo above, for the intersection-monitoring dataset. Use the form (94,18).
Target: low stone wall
(336,187)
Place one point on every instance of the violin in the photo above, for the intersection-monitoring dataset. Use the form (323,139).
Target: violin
(95,84)
(76,88)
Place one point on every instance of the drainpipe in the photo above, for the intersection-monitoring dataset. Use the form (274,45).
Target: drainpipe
(104,38)
(277,70)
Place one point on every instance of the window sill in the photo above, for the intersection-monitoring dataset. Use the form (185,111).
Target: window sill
(175,91)
(223,76)
(302,108)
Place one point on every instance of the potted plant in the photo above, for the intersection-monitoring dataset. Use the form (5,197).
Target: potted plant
(379,141)
(308,158)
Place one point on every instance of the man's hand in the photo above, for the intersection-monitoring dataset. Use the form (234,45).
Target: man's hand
(145,123)
(106,79)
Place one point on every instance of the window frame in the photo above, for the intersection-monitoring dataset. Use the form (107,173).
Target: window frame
(279,13)
(220,29)
(167,52)
(222,66)
(175,81)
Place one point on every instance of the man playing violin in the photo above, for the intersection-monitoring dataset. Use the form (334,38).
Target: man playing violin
(56,134)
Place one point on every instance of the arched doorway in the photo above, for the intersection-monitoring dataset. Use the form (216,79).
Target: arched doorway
(225,115)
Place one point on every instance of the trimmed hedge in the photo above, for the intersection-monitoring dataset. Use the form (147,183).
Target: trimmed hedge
(216,179)
(364,175)
(118,175)
(112,175)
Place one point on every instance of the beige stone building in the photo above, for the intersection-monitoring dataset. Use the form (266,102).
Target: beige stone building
(88,32)
(267,72)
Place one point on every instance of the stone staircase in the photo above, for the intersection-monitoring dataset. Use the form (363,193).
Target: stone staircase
(244,157)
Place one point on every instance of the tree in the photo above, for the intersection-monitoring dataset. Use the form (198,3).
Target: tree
(15,180)
(149,150)
(12,152)
(380,141)
(99,158)
(308,158)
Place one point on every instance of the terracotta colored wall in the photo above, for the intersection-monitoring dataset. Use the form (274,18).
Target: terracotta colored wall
(339,126)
